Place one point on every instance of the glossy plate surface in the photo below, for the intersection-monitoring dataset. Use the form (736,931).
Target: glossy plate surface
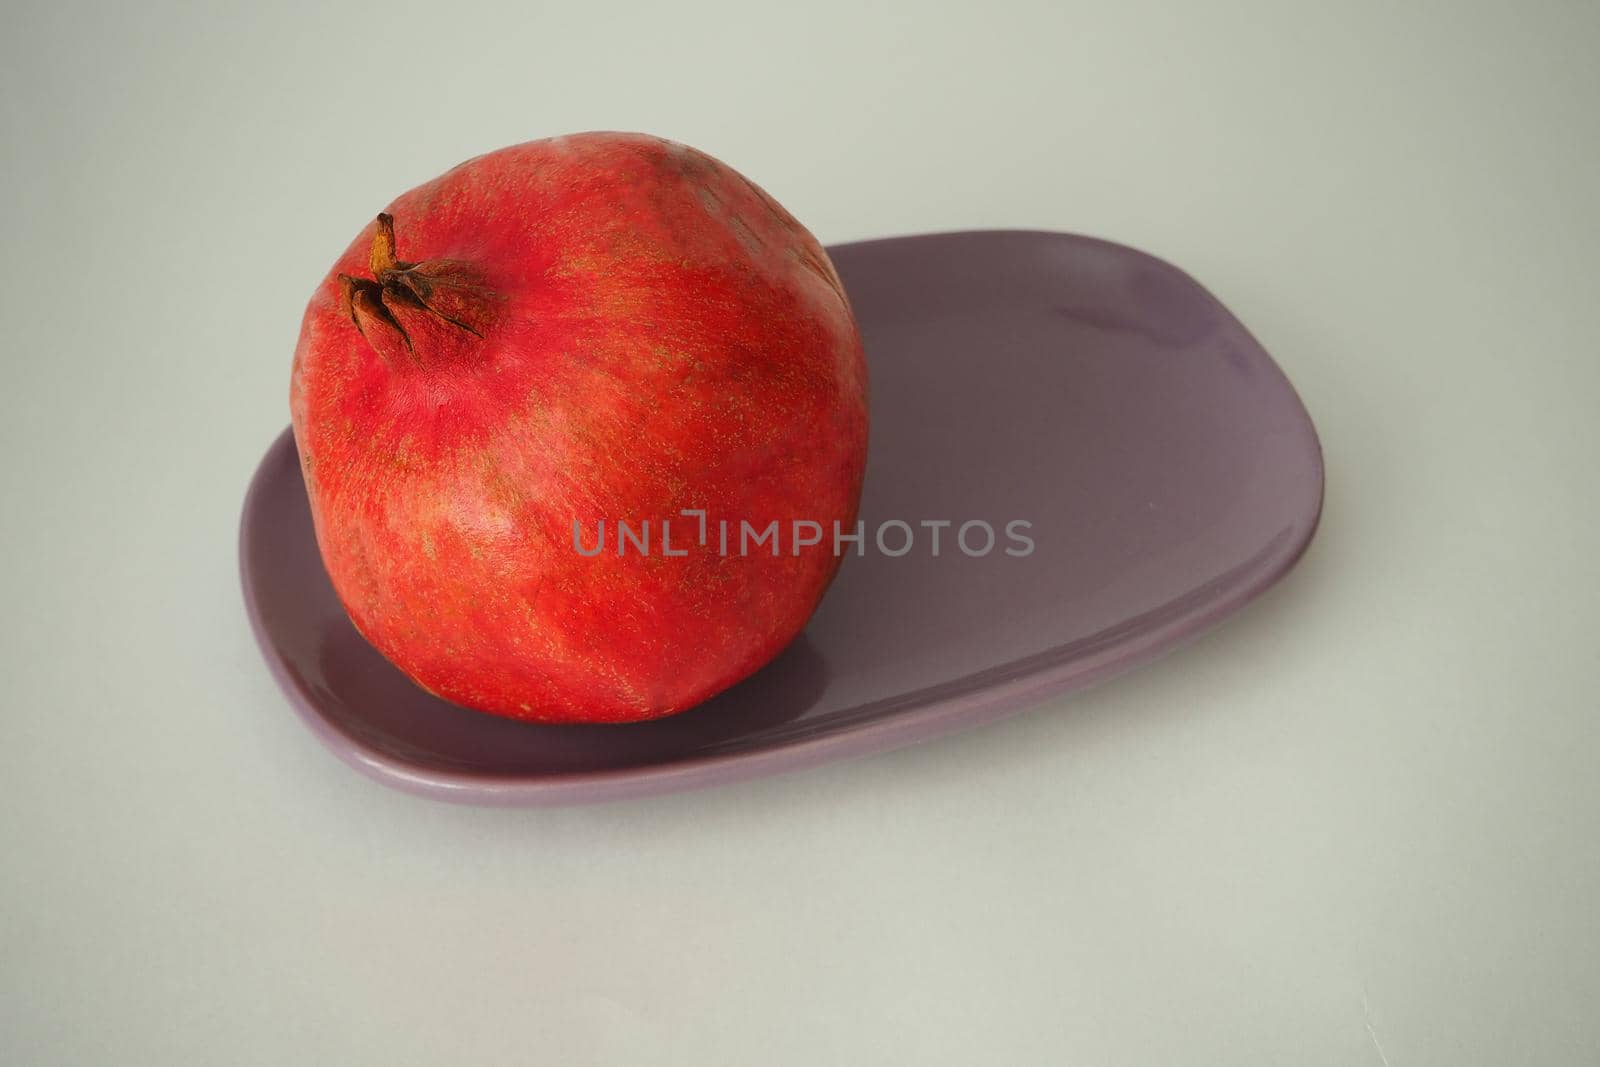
(1167,469)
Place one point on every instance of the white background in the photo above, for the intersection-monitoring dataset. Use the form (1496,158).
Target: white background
(1355,826)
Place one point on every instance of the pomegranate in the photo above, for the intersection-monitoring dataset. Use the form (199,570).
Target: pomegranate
(607,340)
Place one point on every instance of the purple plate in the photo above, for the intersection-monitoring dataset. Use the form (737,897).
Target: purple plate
(1167,469)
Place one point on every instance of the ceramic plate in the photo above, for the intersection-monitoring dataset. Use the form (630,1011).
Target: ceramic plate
(1166,469)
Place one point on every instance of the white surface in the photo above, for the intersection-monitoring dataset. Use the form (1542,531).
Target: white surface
(1355,826)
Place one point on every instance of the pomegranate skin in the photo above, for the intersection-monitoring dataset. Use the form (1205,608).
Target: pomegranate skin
(595,328)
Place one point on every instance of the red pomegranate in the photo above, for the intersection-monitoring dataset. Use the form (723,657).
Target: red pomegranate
(585,335)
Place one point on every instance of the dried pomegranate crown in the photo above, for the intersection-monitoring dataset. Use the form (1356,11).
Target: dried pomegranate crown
(448,291)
